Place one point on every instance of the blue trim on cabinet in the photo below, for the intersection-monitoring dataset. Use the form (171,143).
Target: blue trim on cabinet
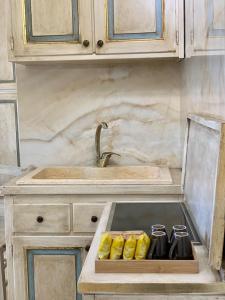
(30,266)
(213,32)
(158,34)
(52,38)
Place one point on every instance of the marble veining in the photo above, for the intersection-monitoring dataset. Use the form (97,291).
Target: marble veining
(61,105)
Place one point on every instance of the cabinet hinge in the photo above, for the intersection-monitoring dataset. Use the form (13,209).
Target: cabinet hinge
(192,37)
(177,37)
(12,43)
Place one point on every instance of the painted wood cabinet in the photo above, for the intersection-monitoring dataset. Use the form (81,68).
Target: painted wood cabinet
(6,68)
(144,26)
(205,27)
(47,268)
(89,29)
(46,28)
(47,240)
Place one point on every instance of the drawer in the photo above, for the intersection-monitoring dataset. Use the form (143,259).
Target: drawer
(86,216)
(41,218)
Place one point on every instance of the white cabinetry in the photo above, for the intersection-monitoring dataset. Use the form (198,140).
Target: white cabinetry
(88,29)
(205,27)
(47,241)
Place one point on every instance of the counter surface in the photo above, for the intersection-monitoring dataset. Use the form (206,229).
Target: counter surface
(11,188)
(206,281)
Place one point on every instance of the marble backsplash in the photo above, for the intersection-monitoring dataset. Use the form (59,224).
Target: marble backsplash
(61,105)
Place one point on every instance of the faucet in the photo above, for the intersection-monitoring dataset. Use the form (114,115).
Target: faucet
(102,160)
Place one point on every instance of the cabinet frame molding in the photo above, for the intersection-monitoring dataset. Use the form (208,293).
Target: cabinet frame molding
(51,38)
(20,246)
(30,265)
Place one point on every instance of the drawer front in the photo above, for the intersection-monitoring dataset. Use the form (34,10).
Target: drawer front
(41,218)
(86,216)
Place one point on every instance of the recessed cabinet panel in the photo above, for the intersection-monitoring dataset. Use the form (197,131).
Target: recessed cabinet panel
(140,16)
(47,27)
(47,21)
(129,26)
(205,27)
(45,264)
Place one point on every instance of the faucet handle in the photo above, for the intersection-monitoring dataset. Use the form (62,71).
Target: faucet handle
(109,153)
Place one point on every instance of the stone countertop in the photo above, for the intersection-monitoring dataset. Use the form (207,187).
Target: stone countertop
(11,188)
(206,281)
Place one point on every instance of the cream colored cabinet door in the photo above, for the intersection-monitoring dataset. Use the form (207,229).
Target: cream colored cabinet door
(47,268)
(205,27)
(50,27)
(144,26)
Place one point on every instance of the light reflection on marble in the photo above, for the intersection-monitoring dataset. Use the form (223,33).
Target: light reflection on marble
(61,105)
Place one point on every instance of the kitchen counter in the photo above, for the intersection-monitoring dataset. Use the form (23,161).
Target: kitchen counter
(11,188)
(206,281)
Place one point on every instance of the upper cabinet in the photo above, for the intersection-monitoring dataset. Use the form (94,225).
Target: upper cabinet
(131,26)
(96,29)
(205,27)
(49,27)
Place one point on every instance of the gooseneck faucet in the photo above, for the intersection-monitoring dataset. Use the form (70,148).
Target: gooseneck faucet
(102,160)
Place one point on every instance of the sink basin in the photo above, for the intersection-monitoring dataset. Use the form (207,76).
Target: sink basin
(94,175)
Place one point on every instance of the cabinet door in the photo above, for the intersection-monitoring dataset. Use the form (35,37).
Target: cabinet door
(6,68)
(47,268)
(130,26)
(205,23)
(49,27)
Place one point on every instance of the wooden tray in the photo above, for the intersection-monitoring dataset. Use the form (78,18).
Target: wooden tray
(146,265)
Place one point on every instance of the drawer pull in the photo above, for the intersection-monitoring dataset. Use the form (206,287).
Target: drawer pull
(94,219)
(100,43)
(86,43)
(87,248)
(40,219)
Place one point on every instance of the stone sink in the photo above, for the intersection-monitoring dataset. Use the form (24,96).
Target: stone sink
(93,175)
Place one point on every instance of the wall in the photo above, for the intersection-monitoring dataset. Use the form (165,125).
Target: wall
(203,86)
(61,105)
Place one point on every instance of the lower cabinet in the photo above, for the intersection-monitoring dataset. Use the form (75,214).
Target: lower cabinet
(47,268)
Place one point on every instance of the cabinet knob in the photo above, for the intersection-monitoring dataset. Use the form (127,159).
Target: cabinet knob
(40,219)
(100,43)
(86,43)
(87,248)
(94,219)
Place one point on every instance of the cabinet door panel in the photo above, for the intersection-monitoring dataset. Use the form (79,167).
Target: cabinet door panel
(140,16)
(129,26)
(62,265)
(44,27)
(49,22)
(6,68)
(205,23)
(47,268)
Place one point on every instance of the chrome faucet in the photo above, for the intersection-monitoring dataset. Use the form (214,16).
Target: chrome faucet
(102,160)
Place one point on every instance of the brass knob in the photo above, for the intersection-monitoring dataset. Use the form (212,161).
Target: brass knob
(87,248)
(94,219)
(100,43)
(86,43)
(40,219)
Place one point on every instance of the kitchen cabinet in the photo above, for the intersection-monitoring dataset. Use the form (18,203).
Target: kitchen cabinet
(45,253)
(144,26)
(44,28)
(95,29)
(6,68)
(48,268)
(205,27)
